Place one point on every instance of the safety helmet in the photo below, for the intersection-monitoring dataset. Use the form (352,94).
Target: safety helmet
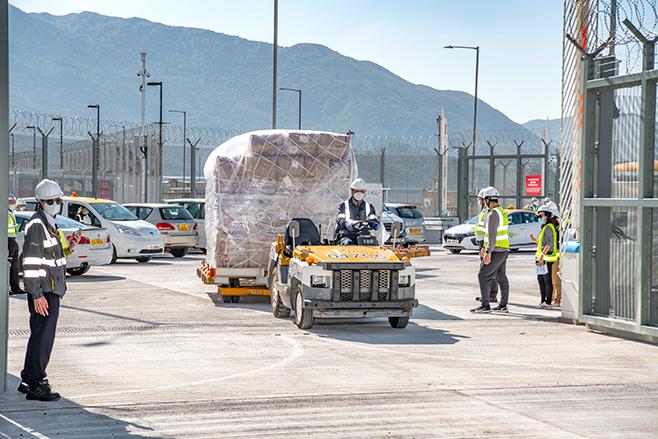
(21,202)
(490,193)
(47,190)
(12,197)
(481,192)
(534,199)
(551,207)
(359,185)
(547,200)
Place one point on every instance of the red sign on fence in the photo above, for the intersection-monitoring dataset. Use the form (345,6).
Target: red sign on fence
(533,185)
(104,186)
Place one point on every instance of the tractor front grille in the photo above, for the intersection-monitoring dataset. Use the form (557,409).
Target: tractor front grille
(366,281)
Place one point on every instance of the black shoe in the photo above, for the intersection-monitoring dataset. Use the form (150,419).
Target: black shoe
(42,393)
(481,310)
(19,291)
(500,308)
(23,387)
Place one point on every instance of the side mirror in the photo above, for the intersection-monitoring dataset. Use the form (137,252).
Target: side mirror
(395,229)
(293,229)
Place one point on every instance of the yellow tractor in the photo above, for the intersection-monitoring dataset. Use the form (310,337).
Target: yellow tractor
(322,280)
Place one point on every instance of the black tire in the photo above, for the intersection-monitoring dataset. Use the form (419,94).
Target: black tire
(279,310)
(235,299)
(227,299)
(178,252)
(303,316)
(203,250)
(114,255)
(454,251)
(398,322)
(143,259)
(78,271)
(514,250)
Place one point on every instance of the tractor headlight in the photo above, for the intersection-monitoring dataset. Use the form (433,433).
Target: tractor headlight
(319,281)
(404,280)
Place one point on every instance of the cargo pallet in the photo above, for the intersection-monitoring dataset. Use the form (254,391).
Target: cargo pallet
(228,281)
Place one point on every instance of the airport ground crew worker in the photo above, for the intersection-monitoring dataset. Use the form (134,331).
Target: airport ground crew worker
(494,254)
(547,251)
(480,230)
(352,211)
(21,205)
(45,251)
(13,250)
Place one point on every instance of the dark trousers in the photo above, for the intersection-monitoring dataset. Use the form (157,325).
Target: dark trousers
(496,269)
(347,240)
(42,337)
(15,264)
(546,284)
(493,286)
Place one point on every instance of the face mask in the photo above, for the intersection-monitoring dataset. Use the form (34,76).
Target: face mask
(542,221)
(358,196)
(52,209)
(12,207)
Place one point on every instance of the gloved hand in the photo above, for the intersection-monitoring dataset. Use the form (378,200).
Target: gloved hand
(349,226)
(376,226)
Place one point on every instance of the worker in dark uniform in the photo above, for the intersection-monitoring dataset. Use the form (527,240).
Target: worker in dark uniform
(13,250)
(44,267)
(352,211)
(81,216)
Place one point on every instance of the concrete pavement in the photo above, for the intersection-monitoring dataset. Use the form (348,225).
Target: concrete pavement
(146,350)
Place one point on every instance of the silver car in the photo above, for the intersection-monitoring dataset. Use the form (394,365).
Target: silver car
(413,219)
(197,208)
(178,229)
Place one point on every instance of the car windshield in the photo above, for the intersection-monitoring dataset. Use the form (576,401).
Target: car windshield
(473,220)
(175,213)
(408,212)
(114,212)
(195,209)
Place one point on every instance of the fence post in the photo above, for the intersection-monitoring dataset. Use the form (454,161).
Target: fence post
(519,174)
(462,185)
(382,168)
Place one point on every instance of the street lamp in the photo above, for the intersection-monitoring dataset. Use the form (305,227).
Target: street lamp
(34,146)
(184,139)
(300,103)
(61,141)
(94,152)
(159,84)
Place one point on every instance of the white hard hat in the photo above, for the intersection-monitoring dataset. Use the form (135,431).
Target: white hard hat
(47,190)
(11,197)
(359,185)
(550,207)
(490,193)
(21,202)
(547,200)
(480,194)
(534,199)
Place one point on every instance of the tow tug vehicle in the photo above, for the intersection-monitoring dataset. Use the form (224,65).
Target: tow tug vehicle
(323,280)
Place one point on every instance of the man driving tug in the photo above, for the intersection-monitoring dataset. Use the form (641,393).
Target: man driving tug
(355,214)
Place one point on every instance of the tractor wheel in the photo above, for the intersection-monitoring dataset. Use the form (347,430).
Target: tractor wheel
(398,322)
(278,309)
(455,250)
(303,316)
(114,255)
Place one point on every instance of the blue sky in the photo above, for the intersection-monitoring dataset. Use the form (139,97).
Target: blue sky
(520,41)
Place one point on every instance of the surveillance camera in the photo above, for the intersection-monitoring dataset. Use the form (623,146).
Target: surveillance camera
(138,73)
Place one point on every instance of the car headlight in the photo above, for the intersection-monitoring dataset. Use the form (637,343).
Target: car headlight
(404,280)
(127,230)
(319,281)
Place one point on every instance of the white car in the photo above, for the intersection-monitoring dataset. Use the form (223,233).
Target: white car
(130,236)
(197,208)
(94,247)
(522,224)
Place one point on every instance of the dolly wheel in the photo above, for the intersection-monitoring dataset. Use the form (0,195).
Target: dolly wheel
(303,316)
(398,322)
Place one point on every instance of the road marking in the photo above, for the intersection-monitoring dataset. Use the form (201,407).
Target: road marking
(25,429)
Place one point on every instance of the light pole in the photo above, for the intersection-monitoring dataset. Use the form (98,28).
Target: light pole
(475,110)
(143,144)
(184,140)
(61,140)
(160,142)
(121,163)
(34,146)
(95,140)
(274,61)
(300,103)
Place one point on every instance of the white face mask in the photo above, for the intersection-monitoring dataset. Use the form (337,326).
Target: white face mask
(12,207)
(51,209)
(358,196)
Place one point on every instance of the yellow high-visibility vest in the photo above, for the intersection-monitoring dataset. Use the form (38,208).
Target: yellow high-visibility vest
(502,238)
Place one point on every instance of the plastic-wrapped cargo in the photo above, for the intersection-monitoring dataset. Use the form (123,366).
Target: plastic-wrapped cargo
(258,181)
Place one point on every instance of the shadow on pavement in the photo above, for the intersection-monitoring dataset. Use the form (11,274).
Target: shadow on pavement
(93,278)
(424,312)
(22,418)
(378,331)
(254,303)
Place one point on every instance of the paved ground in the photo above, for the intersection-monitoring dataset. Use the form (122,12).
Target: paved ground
(146,350)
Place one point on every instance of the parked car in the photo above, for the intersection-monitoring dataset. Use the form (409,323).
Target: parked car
(388,218)
(197,208)
(94,247)
(413,219)
(130,236)
(176,225)
(522,223)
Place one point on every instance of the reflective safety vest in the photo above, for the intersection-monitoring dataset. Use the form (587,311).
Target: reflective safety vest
(502,238)
(555,254)
(480,229)
(12,228)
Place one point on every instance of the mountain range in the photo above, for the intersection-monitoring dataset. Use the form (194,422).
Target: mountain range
(61,64)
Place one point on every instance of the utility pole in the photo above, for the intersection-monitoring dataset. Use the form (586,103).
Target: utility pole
(274,62)
(4,185)
(44,153)
(143,143)
(94,151)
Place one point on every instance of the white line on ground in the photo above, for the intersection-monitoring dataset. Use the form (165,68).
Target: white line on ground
(25,429)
